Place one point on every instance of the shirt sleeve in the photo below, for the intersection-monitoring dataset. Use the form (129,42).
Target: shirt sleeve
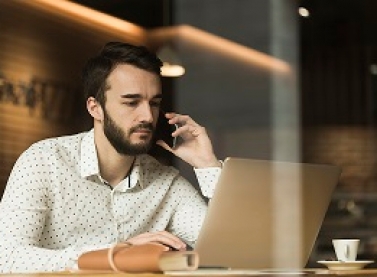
(187,219)
(23,213)
(190,210)
(207,178)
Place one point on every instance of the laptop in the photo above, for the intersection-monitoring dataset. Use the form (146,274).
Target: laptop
(265,214)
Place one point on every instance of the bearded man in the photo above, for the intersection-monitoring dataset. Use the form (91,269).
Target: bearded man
(71,194)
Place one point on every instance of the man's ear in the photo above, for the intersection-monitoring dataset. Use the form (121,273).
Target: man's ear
(94,108)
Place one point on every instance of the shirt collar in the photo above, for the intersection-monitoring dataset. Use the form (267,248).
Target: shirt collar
(88,156)
(135,175)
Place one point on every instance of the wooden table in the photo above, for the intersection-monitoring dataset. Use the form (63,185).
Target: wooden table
(306,273)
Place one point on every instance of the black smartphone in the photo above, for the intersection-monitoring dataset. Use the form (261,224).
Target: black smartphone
(169,129)
(175,139)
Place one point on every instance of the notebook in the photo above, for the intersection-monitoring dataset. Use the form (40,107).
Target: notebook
(251,214)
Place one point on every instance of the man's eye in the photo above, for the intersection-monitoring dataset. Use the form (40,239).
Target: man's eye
(131,104)
(155,104)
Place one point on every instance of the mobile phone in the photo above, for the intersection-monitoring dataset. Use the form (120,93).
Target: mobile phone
(175,139)
(172,141)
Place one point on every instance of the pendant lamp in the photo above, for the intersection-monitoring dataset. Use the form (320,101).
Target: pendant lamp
(171,64)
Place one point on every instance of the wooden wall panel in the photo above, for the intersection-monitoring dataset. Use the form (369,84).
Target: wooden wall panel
(19,130)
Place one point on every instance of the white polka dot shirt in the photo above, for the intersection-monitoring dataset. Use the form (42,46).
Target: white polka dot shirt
(56,205)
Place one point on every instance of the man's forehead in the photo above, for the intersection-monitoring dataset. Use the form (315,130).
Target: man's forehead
(129,82)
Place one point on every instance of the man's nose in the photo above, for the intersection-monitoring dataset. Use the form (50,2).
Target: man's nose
(145,113)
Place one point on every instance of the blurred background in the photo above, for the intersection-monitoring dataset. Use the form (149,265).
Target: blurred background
(291,80)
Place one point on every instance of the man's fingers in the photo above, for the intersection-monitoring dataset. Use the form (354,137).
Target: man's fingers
(181,120)
(169,239)
(193,130)
(161,237)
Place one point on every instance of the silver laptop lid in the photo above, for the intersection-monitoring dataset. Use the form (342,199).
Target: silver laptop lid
(265,214)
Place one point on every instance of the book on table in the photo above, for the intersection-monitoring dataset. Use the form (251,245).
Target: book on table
(149,257)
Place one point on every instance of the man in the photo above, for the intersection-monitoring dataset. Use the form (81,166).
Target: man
(68,195)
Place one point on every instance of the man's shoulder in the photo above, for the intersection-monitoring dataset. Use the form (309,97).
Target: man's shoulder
(57,144)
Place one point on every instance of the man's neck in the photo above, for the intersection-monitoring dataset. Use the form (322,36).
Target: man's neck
(115,169)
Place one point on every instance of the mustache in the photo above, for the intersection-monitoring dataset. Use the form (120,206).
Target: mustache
(142,126)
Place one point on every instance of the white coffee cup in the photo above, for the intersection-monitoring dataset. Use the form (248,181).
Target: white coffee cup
(346,249)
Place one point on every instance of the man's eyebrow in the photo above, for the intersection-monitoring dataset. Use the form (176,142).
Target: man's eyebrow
(137,96)
(132,96)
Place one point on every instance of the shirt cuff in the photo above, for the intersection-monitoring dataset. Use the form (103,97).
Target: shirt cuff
(207,179)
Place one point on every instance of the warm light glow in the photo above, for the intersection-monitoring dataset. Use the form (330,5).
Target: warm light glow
(171,70)
(91,18)
(215,43)
(303,12)
(172,65)
(134,34)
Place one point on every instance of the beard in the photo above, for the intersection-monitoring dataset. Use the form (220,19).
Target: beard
(121,142)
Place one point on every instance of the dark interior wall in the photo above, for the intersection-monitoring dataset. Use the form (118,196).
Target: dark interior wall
(146,13)
(338,90)
(338,100)
(233,97)
(338,47)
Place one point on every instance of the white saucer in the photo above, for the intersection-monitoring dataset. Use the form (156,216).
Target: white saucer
(338,265)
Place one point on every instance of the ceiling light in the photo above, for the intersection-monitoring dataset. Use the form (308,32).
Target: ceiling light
(171,65)
(303,12)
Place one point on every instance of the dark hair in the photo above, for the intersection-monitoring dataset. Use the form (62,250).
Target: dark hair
(98,68)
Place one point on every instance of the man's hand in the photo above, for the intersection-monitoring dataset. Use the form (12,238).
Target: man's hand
(161,237)
(196,147)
